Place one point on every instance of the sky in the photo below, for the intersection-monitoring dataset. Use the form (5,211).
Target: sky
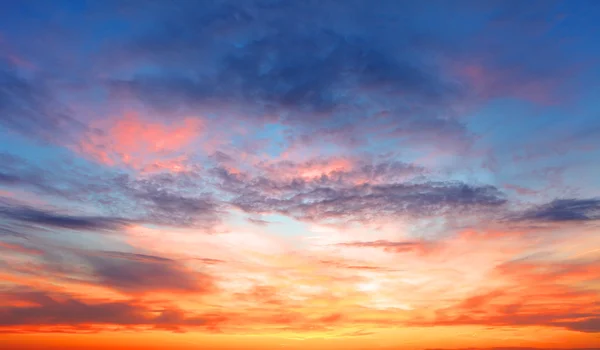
(270,174)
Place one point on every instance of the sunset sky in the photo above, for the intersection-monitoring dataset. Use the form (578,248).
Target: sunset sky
(300,174)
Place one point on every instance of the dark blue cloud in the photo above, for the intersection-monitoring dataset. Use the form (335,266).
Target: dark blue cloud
(564,210)
(43,218)
(132,273)
(8,179)
(297,64)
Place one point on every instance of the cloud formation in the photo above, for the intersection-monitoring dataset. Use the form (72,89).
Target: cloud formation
(561,210)
(27,105)
(329,198)
(417,174)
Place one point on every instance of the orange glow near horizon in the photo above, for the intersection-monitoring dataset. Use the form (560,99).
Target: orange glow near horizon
(256,288)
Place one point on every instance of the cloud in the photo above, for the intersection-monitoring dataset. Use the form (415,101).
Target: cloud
(18,172)
(45,309)
(27,107)
(589,325)
(319,77)
(538,271)
(347,72)
(141,144)
(19,248)
(396,247)
(275,61)
(564,210)
(330,199)
(8,179)
(177,199)
(139,273)
(54,220)
(543,293)
(131,273)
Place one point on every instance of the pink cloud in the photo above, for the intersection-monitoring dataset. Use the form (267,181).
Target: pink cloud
(143,145)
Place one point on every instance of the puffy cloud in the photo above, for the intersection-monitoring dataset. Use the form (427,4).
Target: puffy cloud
(327,198)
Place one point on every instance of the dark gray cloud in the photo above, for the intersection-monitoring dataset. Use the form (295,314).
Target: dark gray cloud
(589,325)
(140,273)
(172,199)
(325,199)
(341,264)
(564,210)
(132,273)
(557,304)
(49,219)
(61,309)
(50,311)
